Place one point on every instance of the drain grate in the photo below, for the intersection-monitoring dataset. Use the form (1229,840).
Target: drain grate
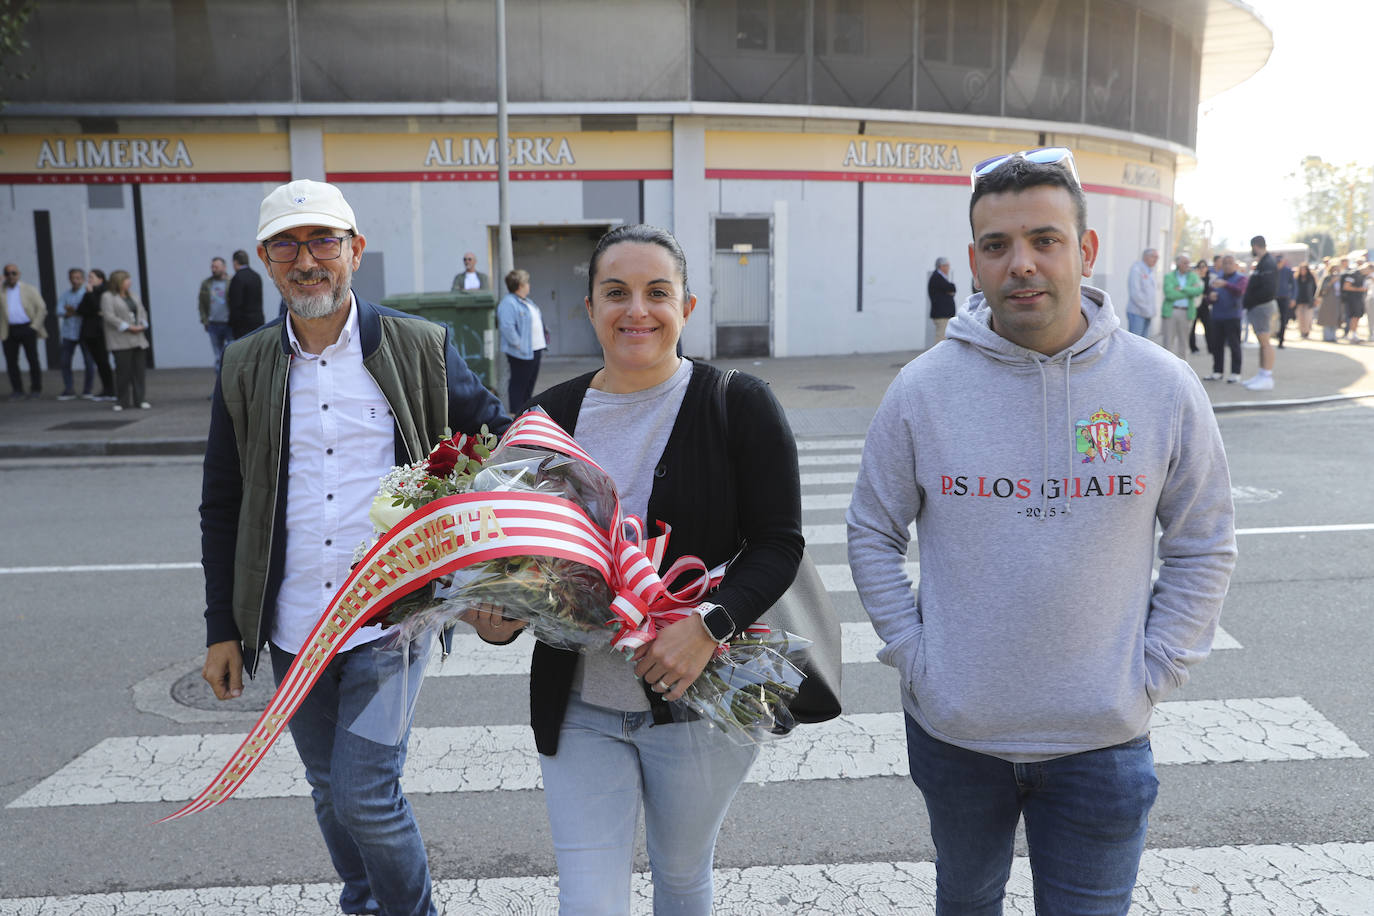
(827,387)
(92,424)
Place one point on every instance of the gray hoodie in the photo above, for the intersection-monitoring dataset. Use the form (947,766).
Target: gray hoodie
(1035,483)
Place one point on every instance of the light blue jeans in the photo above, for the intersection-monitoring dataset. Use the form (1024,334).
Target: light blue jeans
(1138,324)
(1085,814)
(608,764)
(366,821)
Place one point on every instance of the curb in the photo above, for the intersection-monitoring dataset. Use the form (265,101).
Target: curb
(1289,402)
(102,448)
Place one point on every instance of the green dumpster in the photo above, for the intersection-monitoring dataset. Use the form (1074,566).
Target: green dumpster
(470,317)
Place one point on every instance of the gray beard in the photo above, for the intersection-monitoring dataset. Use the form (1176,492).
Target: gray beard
(321,306)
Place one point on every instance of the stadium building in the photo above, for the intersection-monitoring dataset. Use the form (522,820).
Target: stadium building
(811,155)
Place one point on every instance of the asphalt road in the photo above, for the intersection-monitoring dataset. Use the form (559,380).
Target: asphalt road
(85,650)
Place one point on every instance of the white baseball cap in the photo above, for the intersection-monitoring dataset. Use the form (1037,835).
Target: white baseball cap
(304,203)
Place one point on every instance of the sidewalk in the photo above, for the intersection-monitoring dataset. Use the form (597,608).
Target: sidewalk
(823,396)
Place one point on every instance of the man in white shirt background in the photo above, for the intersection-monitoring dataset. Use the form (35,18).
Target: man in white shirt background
(471,278)
(21,328)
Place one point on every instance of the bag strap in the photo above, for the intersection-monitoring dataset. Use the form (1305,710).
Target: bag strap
(722,389)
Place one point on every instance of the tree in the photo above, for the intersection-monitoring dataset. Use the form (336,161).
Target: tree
(14,16)
(1192,235)
(1334,202)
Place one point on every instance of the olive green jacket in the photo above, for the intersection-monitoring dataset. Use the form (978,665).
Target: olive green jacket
(243,499)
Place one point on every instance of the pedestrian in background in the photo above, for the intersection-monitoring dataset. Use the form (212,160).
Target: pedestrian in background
(523,337)
(1262,312)
(69,322)
(21,328)
(940,290)
(1182,290)
(126,324)
(213,305)
(1142,304)
(93,331)
(245,298)
(1305,286)
(470,279)
(1329,303)
(1204,307)
(1028,692)
(1353,285)
(608,742)
(1226,314)
(1284,294)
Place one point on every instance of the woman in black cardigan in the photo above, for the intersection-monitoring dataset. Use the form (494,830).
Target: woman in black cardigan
(606,735)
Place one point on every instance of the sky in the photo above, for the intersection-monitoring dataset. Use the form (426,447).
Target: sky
(1317,96)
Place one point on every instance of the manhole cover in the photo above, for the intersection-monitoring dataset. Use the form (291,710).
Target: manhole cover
(191,690)
(92,424)
(827,387)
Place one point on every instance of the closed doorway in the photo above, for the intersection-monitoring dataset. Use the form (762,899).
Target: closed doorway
(557,258)
(743,288)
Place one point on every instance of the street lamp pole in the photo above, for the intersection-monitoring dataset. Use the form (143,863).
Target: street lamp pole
(505,249)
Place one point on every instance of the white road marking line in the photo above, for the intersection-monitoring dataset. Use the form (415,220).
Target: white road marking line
(828,478)
(480,758)
(842,458)
(829,445)
(98,567)
(815,534)
(812,502)
(1307,878)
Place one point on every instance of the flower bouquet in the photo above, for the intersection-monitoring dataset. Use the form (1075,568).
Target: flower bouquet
(746,689)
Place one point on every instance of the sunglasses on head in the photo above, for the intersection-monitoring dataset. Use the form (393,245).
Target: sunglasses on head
(1047,155)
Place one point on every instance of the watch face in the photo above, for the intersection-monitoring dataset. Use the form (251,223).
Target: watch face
(718,623)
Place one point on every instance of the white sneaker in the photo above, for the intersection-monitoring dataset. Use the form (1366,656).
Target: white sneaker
(145,405)
(119,407)
(1233,377)
(1213,377)
(1260,383)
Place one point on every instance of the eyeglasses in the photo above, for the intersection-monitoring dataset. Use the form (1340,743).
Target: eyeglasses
(469,259)
(11,273)
(324,248)
(1048,155)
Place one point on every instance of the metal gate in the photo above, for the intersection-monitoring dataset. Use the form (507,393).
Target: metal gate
(742,280)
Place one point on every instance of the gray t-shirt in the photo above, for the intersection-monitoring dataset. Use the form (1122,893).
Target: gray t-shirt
(626,434)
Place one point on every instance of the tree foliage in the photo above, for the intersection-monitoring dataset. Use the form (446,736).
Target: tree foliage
(1192,234)
(1334,204)
(14,16)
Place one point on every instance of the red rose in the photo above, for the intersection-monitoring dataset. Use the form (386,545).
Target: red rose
(445,456)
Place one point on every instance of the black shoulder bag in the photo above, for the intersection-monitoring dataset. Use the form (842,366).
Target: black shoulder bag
(804,609)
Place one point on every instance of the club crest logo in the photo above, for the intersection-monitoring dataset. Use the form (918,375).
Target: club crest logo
(1103,435)
(298,200)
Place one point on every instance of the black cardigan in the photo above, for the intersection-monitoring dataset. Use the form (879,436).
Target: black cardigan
(717,496)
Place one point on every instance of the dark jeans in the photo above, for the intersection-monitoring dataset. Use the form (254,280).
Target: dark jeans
(1204,318)
(1227,336)
(366,821)
(23,336)
(523,372)
(94,346)
(1285,316)
(69,348)
(1085,815)
(129,372)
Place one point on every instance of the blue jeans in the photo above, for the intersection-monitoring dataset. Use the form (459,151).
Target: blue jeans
(69,348)
(367,823)
(220,337)
(1138,324)
(609,762)
(1086,816)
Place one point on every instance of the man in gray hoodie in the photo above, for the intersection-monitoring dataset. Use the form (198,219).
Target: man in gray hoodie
(1035,452)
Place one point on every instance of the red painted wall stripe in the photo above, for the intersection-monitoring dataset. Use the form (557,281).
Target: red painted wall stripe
(143,177)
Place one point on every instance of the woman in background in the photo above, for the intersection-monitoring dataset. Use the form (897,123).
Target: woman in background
(523,338)
(126,321)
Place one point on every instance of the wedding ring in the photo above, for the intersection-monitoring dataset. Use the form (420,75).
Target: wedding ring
(666,687)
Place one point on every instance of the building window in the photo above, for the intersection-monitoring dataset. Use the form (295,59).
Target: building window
(770,25)
(961,64)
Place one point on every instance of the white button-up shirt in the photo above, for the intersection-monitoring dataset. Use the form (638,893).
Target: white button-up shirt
(342,442)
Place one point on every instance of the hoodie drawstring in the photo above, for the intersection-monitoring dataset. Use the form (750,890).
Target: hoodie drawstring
(1045,438)
(1068,416)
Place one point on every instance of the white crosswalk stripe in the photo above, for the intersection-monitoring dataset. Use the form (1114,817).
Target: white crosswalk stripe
(1249,879)
(489,757)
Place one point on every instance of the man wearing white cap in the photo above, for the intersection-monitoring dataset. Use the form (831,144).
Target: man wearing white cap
(307,414)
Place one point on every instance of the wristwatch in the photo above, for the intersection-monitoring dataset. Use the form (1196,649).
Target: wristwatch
(718,622)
